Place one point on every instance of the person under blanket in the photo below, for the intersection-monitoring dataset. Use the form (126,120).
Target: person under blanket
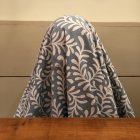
(73,76)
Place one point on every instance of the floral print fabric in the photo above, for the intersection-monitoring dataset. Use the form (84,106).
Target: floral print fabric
(73,76)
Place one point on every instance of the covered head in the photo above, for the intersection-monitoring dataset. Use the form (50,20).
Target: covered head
(73,76)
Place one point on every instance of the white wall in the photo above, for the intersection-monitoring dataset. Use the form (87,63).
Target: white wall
(93,10)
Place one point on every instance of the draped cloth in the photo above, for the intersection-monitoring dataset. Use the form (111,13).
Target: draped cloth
(73,76)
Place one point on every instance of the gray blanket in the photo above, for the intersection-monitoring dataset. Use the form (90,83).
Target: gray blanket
(73,76)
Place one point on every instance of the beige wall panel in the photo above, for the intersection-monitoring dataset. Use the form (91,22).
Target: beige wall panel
(12,89)
(123,47)
(20,43)
(132,88)
(19,46)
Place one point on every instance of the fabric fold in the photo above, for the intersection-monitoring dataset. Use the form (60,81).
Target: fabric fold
(73,76)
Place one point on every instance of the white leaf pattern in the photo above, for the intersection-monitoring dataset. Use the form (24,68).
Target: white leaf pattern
(73,76)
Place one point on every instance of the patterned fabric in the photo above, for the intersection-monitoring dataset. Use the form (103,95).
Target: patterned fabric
(73,76)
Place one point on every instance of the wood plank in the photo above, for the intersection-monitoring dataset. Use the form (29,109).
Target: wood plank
(19,47)
(132,88)
(69,129)
(20,43)
(123,47)
(12,89)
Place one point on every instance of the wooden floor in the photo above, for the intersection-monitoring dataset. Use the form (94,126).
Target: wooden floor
(69,129)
